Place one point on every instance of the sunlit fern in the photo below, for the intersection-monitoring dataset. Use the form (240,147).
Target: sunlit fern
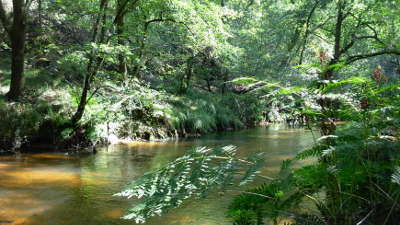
(396,176)
(193,175)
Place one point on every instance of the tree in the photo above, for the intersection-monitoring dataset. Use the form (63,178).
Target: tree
(119,22)
(16,30)
(347,36)
(95,62)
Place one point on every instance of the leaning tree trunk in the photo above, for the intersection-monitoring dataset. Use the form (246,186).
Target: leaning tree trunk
(94,62)
(83,101)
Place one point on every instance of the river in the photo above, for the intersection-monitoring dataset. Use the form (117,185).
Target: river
(59,189)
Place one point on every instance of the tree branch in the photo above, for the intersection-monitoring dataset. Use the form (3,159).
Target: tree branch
(308,21)
(354,58)
(122,10)
(375,36)
(355,38)
(161,19)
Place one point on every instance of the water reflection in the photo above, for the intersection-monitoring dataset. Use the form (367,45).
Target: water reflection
(49,189)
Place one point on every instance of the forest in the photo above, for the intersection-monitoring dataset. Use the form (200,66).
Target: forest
(190,91)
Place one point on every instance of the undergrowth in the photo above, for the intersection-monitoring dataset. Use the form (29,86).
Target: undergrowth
(355,179)
(121,112)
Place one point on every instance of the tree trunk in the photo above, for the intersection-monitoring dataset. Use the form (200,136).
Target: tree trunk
(328,75)
(17,35)
(119,22)
(94,62)
(82,102)
(307,32)
(187,76)
(40,9)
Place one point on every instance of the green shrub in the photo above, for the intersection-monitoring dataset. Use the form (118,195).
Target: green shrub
(18,123)
(355,178)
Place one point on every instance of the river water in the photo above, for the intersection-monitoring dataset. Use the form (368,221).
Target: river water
(59,189)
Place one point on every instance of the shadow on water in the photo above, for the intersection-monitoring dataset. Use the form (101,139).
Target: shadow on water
(56,189)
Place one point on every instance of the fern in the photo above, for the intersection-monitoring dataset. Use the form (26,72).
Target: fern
(253,168)
(192,175)
(316,151)
(354,81)
(307,219)
(396,176)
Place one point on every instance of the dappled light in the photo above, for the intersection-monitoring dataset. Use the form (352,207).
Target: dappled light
(199,112)
(32,177)
(52,156)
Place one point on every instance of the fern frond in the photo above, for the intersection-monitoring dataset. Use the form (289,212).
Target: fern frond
(307,219)
(355,81)
(316,151)
(192,175)
(257,161)
(396,176)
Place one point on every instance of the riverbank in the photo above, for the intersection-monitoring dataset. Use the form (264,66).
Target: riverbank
(42,121)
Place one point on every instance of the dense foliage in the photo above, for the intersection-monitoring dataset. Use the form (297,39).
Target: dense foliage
(76,73)
(102,71)
(354,180)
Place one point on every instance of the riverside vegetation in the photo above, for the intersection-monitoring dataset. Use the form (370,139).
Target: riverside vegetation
(88,72)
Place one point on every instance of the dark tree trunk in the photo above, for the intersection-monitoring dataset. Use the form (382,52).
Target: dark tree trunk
(40,9)
(208,81)
(119,22)
(82,102)
(328,74)
(225,73)
(187,76)
(327,124)
(17,35)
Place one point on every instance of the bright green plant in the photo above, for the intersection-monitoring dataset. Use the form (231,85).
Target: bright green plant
(355,178)
(195,174)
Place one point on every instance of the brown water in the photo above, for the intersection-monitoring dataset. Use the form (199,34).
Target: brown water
(57,189)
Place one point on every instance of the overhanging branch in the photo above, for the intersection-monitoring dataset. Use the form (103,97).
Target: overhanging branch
(161,19)
(354,58)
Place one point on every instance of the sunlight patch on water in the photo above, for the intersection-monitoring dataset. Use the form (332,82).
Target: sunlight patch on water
(34,177)
(114,213)
(17,207)
(274,137)
(149,143)
(52,156)
(5,166)
(291,131)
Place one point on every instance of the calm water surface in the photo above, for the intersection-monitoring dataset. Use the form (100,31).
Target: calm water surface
(57,189)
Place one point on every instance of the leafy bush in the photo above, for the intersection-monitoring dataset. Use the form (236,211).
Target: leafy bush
(18,121)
